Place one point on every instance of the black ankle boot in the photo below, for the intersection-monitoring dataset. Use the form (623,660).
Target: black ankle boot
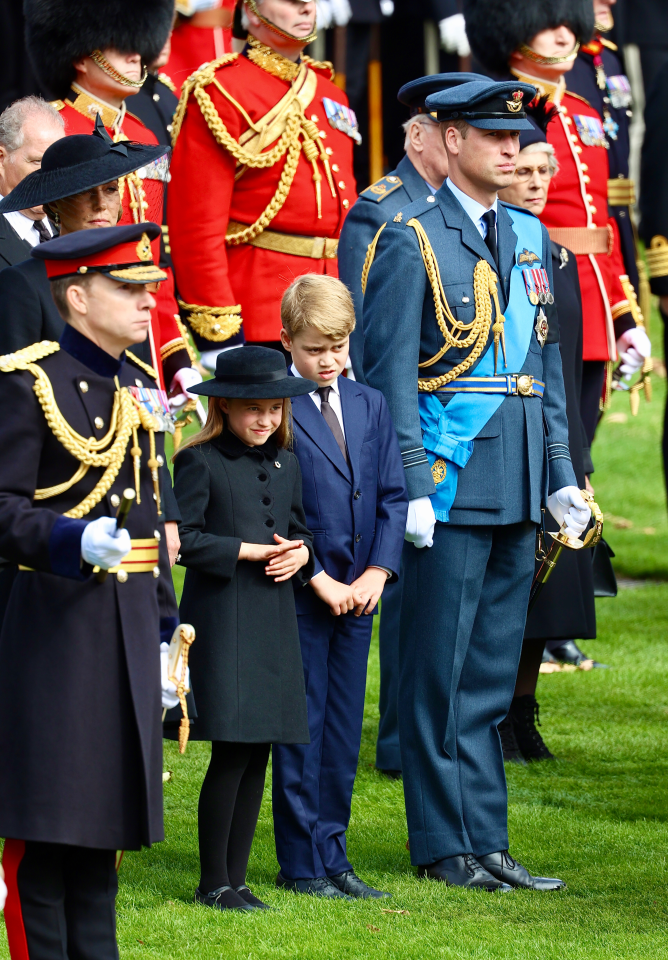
(524,715)
(509,744)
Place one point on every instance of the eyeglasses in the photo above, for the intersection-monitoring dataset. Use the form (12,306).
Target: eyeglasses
(522,174)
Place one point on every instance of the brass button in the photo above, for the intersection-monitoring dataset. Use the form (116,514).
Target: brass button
(466,299)
(346,204)
(577,149)
(584,166)
(160,459)
(83,386)
(314,117)
(156,534)
(138,382)
(156,572)
(431,199)
(592,209)
(122,576)
(392,179)
(586,178)
(335,167)
(322,134)
(329,151)
(589,197)
(156,97)
(568,120)
(342,184)
(115,500)
(99,423)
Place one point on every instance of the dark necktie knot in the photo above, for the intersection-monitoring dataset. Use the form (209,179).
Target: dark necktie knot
(324,393)
(332,420)
(42,229)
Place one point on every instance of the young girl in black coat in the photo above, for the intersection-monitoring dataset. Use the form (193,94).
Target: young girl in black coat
(243,541)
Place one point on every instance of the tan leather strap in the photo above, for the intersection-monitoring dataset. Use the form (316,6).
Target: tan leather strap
(621,192)
(317,248)
(581,240)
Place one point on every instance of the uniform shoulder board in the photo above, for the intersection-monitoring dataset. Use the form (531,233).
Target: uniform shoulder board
(609,44)
(322,66)
(381,188)
(168,82)
(58,104)
(144,367)
(20,359)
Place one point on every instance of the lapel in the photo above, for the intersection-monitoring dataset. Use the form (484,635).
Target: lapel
(354,409)
(411,180)
(455,216)
(12,248)
(311,421)
(507,241)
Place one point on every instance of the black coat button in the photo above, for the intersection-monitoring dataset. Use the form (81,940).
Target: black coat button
(266,501)
(357,494)
(269,523)
(262,477)
(358,538)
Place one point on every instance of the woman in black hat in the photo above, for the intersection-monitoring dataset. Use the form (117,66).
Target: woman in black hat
(244,543)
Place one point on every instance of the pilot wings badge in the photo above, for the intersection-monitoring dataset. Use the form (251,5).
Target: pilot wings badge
(527,256)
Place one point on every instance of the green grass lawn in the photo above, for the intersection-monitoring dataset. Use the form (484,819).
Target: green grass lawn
(598,817)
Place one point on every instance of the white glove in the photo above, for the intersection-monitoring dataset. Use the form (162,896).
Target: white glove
(420,522)
(169,695)
(567,506)
(208,357)
(387,7)
(104,546)
(183,378)
(453,35)
(3,894)
(633,348)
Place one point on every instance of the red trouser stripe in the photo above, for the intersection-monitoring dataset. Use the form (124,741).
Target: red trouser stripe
(16,933)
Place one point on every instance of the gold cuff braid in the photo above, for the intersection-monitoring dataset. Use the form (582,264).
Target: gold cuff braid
(657,257)
(213,323)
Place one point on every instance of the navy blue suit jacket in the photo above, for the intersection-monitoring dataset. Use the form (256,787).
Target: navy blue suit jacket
(356,513)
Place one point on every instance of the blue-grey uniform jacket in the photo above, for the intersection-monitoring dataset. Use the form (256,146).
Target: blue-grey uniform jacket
(373,207)
(521,454)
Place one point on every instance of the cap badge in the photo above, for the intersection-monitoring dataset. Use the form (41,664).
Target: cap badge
(515,105)
(144,248)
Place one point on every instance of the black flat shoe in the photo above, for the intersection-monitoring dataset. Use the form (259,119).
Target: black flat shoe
(313,886)
(224,898)
(463,871)
(524,715)
(509,744)
(390,774)
(569,652)
(250,898)
(504,867)
(349,883)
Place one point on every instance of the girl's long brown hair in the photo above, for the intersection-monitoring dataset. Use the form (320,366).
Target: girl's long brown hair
(216,422)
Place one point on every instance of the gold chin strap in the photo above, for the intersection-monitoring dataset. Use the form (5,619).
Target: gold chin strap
(98,57)
(600,27)
(252,5)
(548,61)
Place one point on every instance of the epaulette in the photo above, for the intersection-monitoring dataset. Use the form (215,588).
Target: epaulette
(207,70)
(415,208)
(144,367)
(381,188)
(609,44)
(577,96)
(21,359)
(168,82)
(325,65)
(58,105)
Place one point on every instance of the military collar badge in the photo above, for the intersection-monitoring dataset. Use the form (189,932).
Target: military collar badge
(342,118)
(541,328)
(527,256)
(590,130)
(537,286)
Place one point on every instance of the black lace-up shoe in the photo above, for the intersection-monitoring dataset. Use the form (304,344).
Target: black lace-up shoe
(509,744)
(504,867)
(569,652)
(463,871)
(351,884)
(313,886)
(224,898)
(525,717)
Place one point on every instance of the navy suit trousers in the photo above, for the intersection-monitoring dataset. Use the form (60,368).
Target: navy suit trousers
(388,754)
(313,783)
(463,612)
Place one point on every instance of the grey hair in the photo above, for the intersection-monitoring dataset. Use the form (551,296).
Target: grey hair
(13,118)
(406,127)
(544,148)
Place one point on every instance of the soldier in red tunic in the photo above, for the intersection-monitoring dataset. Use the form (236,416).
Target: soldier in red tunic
(262,178)
(540,47)
(93,59)
(202,32)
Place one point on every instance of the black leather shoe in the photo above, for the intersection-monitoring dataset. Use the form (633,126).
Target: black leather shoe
(249,897)
(569,652)
(315,887)
(348,882)
(463,871)
(502,866)
(224,898)
(390,774)
(509,744)
(524,715)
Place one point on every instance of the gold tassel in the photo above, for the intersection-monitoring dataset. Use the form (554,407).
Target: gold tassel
(153,466)
(311,154)
(187,639)
(498,325)
(135,453)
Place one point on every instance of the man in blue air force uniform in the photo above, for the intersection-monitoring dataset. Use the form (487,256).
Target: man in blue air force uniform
(461,335)
(420,173)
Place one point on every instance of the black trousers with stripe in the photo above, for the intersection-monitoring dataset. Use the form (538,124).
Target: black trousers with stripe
(60,901)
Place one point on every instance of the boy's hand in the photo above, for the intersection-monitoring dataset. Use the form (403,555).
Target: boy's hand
(292,557)
(367,590)
(337,596)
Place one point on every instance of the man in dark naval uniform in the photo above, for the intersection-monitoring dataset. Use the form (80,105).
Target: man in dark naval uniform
(81,752)
(461,335)
(421,172)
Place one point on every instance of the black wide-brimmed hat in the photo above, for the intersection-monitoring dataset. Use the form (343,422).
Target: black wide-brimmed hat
(252,373)
(415,92)
(77,163)
(485,104)
(121,253)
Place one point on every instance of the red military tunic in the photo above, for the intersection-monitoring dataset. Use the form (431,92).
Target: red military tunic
(193,46)
(578,198)
(168,348)
(213,195)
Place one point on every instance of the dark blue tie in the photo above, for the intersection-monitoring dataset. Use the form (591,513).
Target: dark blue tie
(490,240)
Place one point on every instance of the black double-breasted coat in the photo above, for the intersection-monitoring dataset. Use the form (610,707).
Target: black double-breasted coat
(246,666)
(80,711)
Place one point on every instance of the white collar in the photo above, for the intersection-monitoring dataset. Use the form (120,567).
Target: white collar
(474,209)
(24,226)
(334,385)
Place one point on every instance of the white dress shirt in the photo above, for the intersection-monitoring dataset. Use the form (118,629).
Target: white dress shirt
(334,398)
(25,227)
(474,209)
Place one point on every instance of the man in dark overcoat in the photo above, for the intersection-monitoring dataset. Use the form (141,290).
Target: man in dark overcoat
(80,755)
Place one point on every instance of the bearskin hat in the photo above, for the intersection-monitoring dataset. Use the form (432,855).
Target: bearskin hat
(58,32)
(496,28)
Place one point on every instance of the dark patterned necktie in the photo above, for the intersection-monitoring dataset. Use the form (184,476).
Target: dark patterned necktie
(332,420)
(42,229)
(490,240)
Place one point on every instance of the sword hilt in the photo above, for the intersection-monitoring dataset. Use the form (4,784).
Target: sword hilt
(121,518)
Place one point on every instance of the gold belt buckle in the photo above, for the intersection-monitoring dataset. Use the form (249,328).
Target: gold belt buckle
(318,248)
(525,385)
(331,248)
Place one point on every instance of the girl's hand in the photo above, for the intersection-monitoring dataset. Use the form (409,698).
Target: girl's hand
(264,551)
(367,590)
(338,596)
(291,558)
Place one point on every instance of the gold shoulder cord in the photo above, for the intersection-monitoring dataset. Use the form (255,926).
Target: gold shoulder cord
(459,335)
(126,416)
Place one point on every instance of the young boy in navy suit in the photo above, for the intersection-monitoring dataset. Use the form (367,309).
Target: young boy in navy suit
(354,496)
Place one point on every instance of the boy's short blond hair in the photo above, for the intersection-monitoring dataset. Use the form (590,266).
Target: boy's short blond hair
(317,302)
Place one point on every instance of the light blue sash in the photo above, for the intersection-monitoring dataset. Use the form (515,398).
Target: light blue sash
(448,432)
